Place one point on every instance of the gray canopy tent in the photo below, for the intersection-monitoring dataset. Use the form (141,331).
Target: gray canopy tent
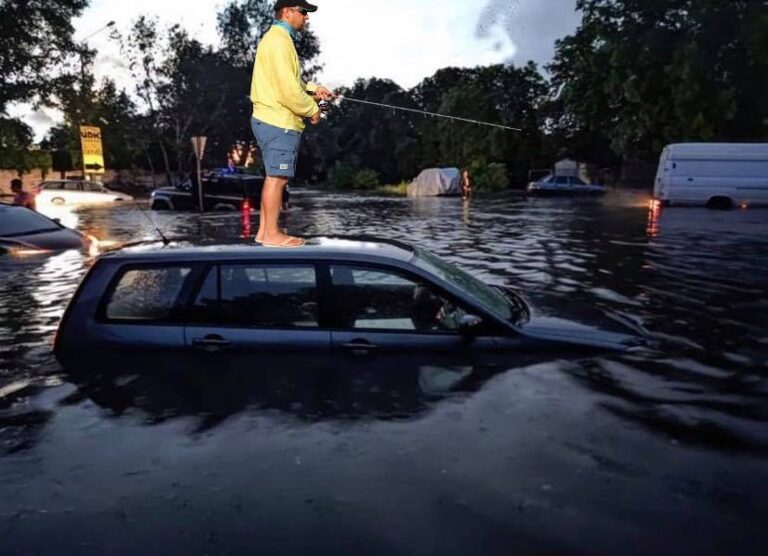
(436,182)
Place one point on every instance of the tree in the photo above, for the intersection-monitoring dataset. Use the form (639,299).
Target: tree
(638,75)
(500,94)
(36,41)
(16,150)
(242,23)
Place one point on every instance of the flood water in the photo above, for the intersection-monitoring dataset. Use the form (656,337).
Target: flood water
(662,451)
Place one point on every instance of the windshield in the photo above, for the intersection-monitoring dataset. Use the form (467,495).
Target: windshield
(490,298)
(16,221)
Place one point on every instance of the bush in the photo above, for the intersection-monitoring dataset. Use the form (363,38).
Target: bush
(342,175)
(489,177)
(366,179)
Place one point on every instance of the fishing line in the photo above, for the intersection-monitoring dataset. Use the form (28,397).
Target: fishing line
(425,113)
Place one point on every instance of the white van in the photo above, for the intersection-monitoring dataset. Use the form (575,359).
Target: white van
(715,175)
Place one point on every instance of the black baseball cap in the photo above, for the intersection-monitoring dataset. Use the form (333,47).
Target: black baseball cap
(295,4)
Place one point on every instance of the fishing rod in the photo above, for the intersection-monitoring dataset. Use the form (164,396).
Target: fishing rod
(425,113)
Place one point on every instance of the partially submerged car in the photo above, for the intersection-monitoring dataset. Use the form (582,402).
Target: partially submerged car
(24,231)
(563,185)
(361,298)
(222,191)
(79,192)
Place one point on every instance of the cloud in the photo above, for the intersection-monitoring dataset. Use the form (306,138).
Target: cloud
(532,25)
(403,40)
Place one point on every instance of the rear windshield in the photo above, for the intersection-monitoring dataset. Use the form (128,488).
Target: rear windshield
(17,221)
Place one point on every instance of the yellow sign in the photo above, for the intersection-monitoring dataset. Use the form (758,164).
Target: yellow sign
(93,154)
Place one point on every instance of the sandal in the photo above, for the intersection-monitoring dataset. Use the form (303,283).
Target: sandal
(289,242)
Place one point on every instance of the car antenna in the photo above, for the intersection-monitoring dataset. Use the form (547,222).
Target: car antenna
(166,241)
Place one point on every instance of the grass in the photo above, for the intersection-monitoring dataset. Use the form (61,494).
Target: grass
(398,189)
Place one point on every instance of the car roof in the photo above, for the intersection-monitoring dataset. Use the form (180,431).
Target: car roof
(337,247)
(73,181)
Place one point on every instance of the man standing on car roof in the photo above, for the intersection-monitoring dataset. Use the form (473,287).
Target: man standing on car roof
(281,101)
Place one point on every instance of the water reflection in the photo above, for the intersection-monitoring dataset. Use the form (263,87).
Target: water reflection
(212,395)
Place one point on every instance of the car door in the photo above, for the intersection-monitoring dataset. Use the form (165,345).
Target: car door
(257,316)
(395,326)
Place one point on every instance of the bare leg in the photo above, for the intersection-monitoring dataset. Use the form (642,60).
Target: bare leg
(271,203)
(262,223)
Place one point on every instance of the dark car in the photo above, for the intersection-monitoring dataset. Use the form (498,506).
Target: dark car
(24,231)
(242,305)
(222,191)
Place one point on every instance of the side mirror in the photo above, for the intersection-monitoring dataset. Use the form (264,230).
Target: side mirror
(469,326)
(57,220)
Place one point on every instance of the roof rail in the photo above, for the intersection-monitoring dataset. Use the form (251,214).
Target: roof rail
(369,238)
(198,240)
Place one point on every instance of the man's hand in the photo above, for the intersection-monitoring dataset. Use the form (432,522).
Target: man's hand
(314,120)
(323,93)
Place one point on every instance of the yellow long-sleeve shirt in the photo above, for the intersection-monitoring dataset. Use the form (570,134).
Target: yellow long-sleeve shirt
(278,93)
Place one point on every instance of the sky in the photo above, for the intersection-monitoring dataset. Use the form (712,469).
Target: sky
(403,40)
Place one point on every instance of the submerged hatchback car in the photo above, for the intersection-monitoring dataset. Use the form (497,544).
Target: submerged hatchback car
(365,299)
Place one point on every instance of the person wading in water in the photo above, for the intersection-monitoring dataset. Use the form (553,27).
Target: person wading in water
(281,101)
(20,197)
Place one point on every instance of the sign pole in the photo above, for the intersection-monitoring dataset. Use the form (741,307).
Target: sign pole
(198,145)
(200,186)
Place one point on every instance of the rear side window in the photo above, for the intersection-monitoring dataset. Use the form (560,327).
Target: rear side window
(259,296)
(148,294)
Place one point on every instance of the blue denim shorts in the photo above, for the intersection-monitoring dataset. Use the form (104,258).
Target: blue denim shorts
(279,148)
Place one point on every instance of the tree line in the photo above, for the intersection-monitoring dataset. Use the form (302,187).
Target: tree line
(633,77)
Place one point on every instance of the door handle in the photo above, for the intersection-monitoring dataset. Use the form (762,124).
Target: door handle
(360,346)
(211,343)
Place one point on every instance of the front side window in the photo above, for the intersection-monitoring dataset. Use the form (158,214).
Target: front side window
(562,180)
(369,299)
(95,188)
(146,294)
(259,296)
